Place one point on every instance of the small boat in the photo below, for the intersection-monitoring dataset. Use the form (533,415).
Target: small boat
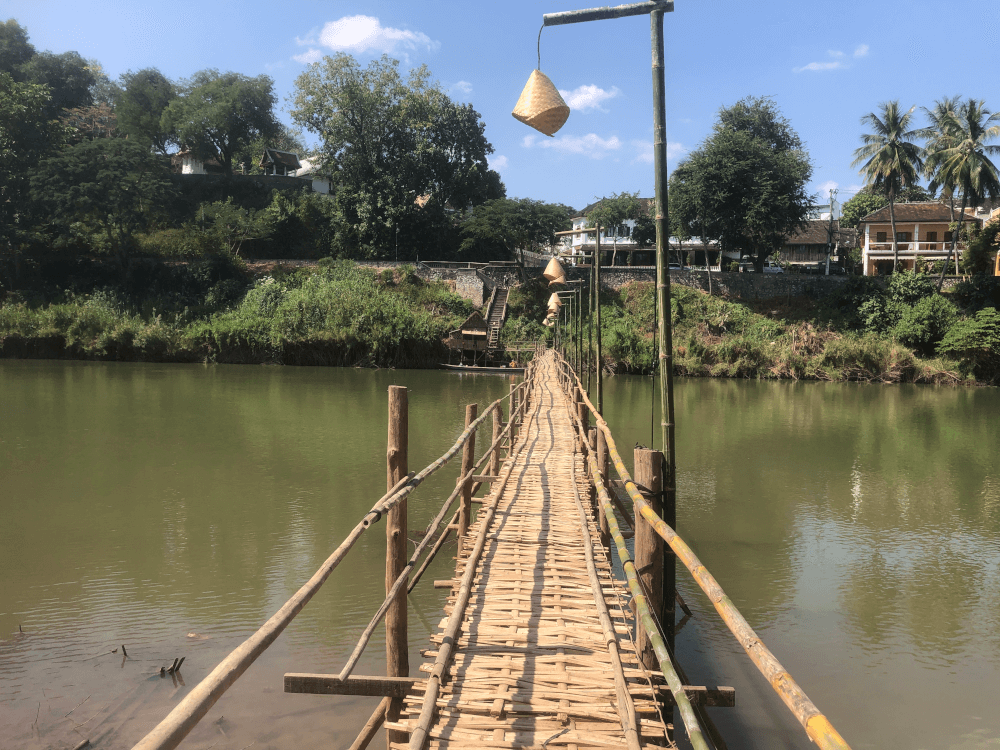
(500,370)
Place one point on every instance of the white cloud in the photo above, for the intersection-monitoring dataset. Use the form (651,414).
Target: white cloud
(644,151)
(313,55)
(462,87)
(499,163)
(583,98)
(832,65)
(838,62)
(826,187)
(359,34)
(591,145)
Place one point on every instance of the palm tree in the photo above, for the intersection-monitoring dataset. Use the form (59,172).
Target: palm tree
(935,136)
(959,159)
(890,161)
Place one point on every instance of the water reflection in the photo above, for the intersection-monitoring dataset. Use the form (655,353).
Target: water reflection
(855,526)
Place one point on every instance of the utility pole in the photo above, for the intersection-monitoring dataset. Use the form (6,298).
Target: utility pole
(829,235)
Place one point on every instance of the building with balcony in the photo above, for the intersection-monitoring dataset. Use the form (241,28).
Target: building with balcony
(922,234)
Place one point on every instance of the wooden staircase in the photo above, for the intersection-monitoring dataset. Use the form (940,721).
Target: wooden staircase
(495,318)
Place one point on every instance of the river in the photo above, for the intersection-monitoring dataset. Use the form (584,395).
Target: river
(173,508)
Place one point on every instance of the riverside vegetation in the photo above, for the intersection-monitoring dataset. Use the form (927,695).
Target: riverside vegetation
(216,310)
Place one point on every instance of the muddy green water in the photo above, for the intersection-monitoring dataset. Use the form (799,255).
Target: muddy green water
(174,508)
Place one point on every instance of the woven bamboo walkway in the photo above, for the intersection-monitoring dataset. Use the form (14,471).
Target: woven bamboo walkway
(532,667)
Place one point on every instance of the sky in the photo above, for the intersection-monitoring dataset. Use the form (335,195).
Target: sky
(825,65)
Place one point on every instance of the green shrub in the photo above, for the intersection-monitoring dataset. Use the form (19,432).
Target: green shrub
(908,288)
(978,292)
(975,342)
(924,324)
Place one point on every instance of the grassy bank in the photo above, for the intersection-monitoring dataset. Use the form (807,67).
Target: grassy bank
(339,314)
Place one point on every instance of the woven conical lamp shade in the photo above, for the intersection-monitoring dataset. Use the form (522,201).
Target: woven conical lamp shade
(540,105)
(554,302)
(548,324)
(553,271)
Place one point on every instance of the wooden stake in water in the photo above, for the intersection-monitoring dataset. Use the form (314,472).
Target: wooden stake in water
(397,646)
(468,459)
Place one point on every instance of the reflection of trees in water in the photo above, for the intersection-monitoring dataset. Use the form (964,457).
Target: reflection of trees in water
(903,478)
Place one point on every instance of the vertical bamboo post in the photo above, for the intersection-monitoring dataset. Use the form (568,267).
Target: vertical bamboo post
(602,466)
(497,429)
(592,442)
(513,417)
(468,459)
(397,646)
(649,547)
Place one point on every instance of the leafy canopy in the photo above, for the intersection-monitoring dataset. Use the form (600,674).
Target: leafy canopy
(501,227)
(144,96)
(389,141)
(109,187)
(745,186)
(220,113)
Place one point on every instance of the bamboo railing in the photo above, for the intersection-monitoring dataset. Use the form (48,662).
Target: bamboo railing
(171,731)
(818,728)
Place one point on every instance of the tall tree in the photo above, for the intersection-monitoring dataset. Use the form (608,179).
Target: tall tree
(751,175)
(505,226)
(611,213)
(67,75)
(27,133)
(389,141)
(958,158)
(220,113)
(145,94)
(15,49)
(889,160)
(112,187)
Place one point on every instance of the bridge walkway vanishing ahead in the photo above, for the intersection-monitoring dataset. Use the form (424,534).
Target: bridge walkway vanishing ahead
(532,665)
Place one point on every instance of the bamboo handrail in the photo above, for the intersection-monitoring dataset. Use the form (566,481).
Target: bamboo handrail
(817,726)
(432,527)
(691,725)
(175,726)
(626,707)
(418,736)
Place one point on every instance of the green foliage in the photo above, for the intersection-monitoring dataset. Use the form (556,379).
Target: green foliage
(863,203)
(922,325)
(221,113)
(27,134)
(975,342)
(982,249)
(745,186)
(978,292)
(389,141)
(909,288)
(230,224)
(145,95)
(111,188)
(68,77)
(15,49)
(500,228)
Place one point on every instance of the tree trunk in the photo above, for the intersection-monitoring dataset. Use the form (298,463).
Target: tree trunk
(892,222)
(708,262)
(954,243)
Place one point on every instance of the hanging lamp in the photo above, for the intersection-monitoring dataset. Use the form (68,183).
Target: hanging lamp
(540,105)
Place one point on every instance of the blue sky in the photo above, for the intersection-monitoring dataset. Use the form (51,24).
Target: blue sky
(825,64)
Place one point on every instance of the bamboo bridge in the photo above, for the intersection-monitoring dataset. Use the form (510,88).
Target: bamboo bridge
(541,645)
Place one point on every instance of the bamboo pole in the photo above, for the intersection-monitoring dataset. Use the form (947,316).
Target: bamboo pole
(691,725)
(626,707)
(367,733)
(419,735)
(817,726)
(397,647)
(497,430)
(649,549)
(602,469)
(468,457)
(185,715)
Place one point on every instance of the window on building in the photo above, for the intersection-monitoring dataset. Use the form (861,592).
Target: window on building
(947,236)
(880,236)
(931,237)
(902,236)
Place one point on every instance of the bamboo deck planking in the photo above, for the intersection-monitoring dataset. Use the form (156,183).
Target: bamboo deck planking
(531,666)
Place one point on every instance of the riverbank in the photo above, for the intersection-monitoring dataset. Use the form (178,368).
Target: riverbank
(339,314)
